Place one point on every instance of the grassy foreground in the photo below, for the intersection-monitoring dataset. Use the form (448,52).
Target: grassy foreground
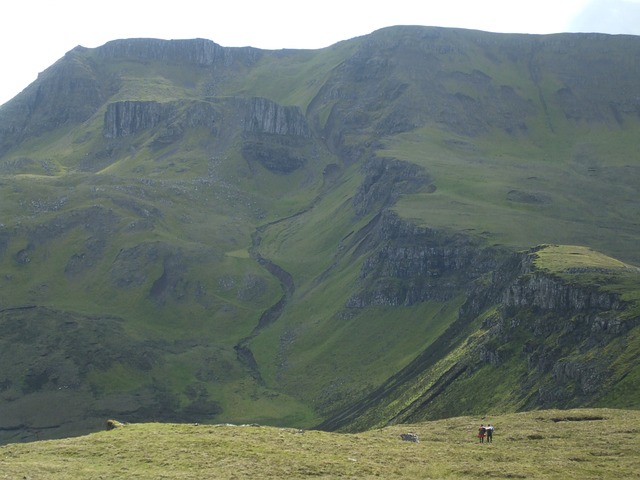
(574,444)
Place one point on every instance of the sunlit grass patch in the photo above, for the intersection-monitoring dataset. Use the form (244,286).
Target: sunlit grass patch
(597,443)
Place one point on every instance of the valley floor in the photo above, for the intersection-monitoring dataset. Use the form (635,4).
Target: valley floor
(574,444)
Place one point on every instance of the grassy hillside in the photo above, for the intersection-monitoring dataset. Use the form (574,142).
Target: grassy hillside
(551,192)
(553,444)
(544,339)
(190,232)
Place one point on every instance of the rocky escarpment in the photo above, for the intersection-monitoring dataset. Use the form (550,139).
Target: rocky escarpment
(197,52)
(275,136)
(566,334)
(415,264)
(122,119)
(406,264)
(550,342)
(561,336)
(127,118)
(385,179)
(66,93)
(258,116)
(265,116)
(544,293)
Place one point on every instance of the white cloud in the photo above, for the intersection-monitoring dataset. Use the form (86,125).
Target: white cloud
(609,16)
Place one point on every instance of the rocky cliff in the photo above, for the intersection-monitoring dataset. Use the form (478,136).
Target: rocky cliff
(67,93)
(549,341)
(265,116)
(406,264)
(197,52)
(127,118)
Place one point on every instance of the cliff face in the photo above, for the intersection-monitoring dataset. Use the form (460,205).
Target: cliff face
(544,293)
(259,116)
(265,116)
(409,264)
(550,342)
(385,180)
(69,92)
(566,334)
(127,118)
(198,52)
(275,136)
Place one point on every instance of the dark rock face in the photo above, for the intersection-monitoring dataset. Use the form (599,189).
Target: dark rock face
(560,331)
(266,116)
(127,118)
(275,158)
(66,93)
(414,264)
(545,293)
(197,52)
(275,136)
(385,180)
(561,337)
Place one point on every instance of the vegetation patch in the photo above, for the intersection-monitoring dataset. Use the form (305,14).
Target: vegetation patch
(584,418)
(522,447)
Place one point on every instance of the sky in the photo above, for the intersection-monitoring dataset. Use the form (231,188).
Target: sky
(34,34)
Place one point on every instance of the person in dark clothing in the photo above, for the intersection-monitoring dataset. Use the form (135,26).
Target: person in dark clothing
(481,433)
(489,431)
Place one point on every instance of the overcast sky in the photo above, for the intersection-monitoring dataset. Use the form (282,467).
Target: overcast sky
(36,33)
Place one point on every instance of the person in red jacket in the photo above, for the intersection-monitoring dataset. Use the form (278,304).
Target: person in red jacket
(481,433)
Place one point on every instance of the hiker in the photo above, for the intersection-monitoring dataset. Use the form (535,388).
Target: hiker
(481,433)
(489,431)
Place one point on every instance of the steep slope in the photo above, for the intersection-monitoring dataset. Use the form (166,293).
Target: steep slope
(200,233)
(554,327)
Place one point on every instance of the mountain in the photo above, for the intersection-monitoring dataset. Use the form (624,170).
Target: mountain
(409,225)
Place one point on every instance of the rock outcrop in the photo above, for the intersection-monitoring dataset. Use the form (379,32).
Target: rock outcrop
(197,52)
(265,116)
(542,292)
(559,337)
(127,118)
(66,93)
(413,264)
(122,119)
(385,180)
(274,135)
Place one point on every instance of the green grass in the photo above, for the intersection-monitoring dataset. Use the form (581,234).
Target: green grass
(300,74)
(585,266)
(579,178)
(573,444)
